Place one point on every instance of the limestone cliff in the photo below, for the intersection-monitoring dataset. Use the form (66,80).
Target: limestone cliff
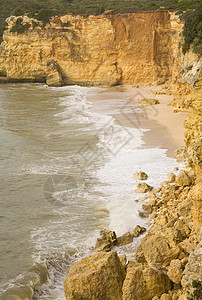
(96,50)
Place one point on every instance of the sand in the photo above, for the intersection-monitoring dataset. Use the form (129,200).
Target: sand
(124,103)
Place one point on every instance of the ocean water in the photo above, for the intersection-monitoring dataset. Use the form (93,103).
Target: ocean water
(66,165)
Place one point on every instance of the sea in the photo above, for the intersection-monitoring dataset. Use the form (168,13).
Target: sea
(67,159)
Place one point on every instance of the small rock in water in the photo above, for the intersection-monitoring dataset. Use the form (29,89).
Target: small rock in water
(170,178)
(108,239)
(125,239)
(143,214)
(140,176)
(143,188)
(138,230)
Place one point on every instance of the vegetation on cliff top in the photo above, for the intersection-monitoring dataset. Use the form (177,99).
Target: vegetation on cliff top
(44,9)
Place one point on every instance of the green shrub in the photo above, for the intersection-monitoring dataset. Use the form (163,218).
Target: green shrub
(197,285)
(193,31)
(19,27)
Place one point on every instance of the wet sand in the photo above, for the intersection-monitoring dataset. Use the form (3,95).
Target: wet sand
(124,103)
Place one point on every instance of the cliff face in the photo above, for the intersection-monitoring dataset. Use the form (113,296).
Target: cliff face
(95,50)
(187,96)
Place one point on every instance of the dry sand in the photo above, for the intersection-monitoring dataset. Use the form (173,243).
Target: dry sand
(124,103)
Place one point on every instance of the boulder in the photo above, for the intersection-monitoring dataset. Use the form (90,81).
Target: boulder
(143,188)
(125,239)
(175,271)
(140,176)
(143,282)
(107,240)
(165,297)
(157,249)
(54,74)
(183,179)
(170,178)
(138,230)
(98,276)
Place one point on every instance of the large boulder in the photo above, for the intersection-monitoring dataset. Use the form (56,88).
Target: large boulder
(98,276)
(143,282)
(157,249)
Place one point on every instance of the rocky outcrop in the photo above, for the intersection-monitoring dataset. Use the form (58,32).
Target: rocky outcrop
(143,282)
(97,277)
(95,50)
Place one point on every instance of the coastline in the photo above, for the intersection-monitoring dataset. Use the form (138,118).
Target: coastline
(165,130)
(169,248)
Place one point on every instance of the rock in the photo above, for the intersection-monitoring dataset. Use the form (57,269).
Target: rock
(165,297)
(146,102)
(143,282)
(139,255)
(143,188)
(183,179)
(170,178)
(123,260)
(98,276)
(157,249)
(107,240)
(125,239)
(183,297)
(180,225)
(186,246)
(138,230)
(174,236)
(175,271)
(54,74)
(140,176)
(191,281)
(147,207)
(181,153)
(143,214)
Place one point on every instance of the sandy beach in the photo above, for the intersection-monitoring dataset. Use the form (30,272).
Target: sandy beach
(124,103)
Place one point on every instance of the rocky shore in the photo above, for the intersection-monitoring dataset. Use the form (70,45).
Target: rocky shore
(167,264)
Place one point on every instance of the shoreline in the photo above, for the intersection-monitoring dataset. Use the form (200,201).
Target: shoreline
(168,256)
(165,130)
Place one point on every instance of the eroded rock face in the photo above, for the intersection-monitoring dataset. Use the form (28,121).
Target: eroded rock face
(95,50)
(143,282)
(96,277)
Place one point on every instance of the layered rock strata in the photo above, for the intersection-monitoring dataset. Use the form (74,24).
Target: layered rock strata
(108,49)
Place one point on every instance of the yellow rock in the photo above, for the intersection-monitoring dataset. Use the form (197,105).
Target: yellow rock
(96,277)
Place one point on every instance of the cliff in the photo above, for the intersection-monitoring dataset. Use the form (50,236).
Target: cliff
(108,49)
